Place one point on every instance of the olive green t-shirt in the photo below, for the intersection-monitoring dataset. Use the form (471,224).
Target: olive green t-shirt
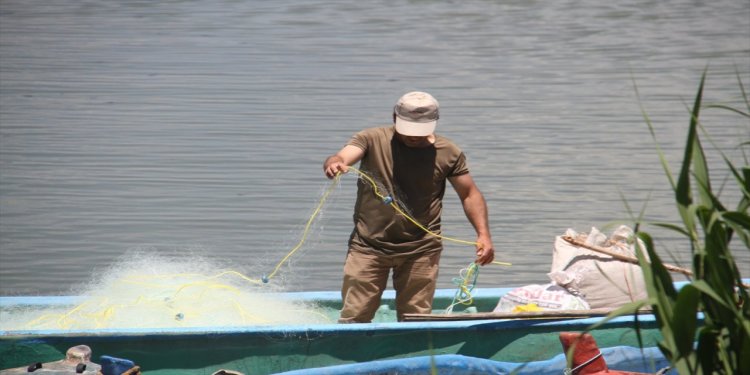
(415,179)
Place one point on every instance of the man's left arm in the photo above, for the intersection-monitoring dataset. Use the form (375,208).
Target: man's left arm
(475,208)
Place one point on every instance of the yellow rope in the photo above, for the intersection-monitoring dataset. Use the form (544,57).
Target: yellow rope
(388,199)
(307,228)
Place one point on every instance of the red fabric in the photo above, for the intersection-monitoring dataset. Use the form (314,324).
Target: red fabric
(586,349)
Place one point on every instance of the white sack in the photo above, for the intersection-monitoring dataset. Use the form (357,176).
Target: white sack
(601,280)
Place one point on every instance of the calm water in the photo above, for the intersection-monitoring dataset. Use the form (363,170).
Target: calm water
(199,127)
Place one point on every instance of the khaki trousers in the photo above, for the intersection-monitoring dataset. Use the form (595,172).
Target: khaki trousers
(366,277)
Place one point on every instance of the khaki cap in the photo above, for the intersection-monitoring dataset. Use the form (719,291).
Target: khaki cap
(416,114)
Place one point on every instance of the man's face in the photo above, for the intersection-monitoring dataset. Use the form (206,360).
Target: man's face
(417,142)
(412,141)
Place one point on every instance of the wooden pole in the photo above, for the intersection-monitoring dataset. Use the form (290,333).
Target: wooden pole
(622,257)
(544,314)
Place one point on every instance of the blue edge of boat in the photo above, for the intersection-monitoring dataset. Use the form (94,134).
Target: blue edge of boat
(621,358)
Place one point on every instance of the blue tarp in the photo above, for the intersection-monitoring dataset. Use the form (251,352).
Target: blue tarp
(624,358)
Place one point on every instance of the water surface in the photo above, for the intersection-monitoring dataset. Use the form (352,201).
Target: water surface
(200,127)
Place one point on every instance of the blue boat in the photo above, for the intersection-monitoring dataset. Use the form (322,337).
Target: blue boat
(472,333)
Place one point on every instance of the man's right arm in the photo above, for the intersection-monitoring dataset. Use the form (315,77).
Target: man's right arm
(340,162)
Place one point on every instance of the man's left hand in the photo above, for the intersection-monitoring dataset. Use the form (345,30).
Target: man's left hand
(485,251)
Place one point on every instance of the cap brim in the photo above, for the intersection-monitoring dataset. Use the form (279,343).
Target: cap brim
(415,129)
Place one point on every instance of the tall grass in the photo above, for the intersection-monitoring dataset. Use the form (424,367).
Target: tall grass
(720,343)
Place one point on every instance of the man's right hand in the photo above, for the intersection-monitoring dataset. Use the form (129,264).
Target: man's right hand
(334,165)
(340,162)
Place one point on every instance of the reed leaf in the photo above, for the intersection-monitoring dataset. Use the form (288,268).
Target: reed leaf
(673,227)
(685,321)
(728,108)
(740,223)
(659,151)
(683,194)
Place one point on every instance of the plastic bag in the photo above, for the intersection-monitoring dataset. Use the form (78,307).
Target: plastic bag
(540,297)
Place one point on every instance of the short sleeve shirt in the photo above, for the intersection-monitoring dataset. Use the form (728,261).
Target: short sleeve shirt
(414,178)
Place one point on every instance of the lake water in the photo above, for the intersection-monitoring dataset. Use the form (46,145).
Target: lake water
(198,128)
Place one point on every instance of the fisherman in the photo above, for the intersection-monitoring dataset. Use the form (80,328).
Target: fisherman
(412,163)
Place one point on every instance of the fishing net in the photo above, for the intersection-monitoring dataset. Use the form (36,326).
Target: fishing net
(157,291)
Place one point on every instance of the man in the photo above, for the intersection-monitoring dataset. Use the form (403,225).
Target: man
(412,163)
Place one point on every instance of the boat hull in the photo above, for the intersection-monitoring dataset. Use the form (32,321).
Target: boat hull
(274,349)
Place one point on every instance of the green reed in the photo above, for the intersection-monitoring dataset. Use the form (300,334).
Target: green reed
(720,343)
